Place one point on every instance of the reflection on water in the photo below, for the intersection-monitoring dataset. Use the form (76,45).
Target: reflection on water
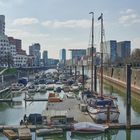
(12,113)
(121,96)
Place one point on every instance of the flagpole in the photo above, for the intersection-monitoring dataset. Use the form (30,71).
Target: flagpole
(92,47)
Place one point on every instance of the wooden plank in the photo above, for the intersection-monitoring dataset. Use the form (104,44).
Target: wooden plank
(10,134)
(24,134)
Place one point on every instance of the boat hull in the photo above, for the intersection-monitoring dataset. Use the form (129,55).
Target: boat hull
(103,115)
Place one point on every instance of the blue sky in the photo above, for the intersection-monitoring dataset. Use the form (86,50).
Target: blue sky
(58,24)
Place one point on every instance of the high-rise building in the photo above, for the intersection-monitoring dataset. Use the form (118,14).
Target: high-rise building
(77,53)
(45,58)
(110,51)
(123,49)
(2,25)
(10,48)
(34,50)
(62,55)
(89,51)
(18,44)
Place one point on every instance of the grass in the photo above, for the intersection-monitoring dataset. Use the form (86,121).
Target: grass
(10,71)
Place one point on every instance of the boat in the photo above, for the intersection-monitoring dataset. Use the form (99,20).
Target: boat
(70,95)
(75,87)
(102,108)
(42,88)
(15,87)
(49,131)
(88,127)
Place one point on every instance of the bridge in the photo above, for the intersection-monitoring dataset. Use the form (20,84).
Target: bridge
(37,68)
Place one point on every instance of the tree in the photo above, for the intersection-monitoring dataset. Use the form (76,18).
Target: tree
(7,59)
(135,57)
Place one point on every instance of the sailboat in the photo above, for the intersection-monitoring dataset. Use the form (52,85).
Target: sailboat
(100,107)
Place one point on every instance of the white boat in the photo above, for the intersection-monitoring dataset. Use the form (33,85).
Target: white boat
(49,131)
(102,110)
(50,87)
(32,89)
(42,88)
(75,87)
(70,95)
(15,87)
(88,127)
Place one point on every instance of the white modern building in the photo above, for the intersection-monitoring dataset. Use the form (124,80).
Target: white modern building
(20,60)
(2,25)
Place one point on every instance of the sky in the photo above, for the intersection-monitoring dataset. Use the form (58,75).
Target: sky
(57,24)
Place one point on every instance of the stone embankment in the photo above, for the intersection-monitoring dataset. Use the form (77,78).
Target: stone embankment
(118,77)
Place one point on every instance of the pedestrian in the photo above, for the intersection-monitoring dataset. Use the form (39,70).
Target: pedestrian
(25,117)
(21,122)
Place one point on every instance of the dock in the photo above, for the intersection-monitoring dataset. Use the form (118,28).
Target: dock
(6,100)
(72,108)
(24,134)
(36,100)
(10,134)
(5,90)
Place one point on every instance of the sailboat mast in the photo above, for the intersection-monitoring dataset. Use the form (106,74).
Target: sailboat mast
(92,47)
(101,49)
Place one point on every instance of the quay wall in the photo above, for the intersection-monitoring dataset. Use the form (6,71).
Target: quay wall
(117,76)
(120,74)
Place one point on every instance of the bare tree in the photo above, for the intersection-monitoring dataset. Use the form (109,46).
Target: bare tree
(135,57)
(7,60)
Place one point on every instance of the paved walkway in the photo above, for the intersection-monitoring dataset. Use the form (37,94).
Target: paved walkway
(71,105)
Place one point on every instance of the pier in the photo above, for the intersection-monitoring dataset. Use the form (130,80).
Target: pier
(36,100)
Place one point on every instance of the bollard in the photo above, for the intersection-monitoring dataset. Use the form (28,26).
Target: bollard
(128,98)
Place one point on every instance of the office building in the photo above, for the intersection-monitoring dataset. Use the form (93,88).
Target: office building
(34,50)
(89,51)
(110,51)
(62,55)
(45,58)
(123,50)
(18,44)
(2,25)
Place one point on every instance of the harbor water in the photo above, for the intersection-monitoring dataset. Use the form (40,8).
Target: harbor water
(13,113)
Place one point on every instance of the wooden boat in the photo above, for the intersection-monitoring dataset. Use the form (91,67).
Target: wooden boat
(88,127)
(101,108)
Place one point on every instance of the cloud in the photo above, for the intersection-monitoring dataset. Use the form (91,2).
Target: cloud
(136,43)
(127,11)
(18,33)
(83,23)
(25,21)
(129,17)
(7,3)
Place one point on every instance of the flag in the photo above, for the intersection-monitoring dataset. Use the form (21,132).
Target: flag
(100,17)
